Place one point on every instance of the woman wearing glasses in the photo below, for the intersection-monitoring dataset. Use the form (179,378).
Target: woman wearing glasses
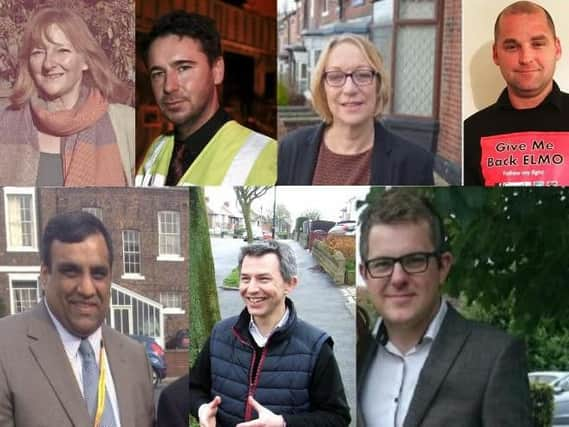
(351,147)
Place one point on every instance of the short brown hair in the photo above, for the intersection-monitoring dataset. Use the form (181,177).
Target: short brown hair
(99,74)
(319,101)
(520,8)
(401,205)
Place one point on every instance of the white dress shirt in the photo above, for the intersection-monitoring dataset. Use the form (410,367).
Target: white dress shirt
(71,344)
(392,377)
(261,339)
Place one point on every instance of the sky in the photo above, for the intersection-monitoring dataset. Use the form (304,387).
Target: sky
(290,4)
(297,199)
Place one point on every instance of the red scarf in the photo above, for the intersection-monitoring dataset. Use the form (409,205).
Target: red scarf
(89,149)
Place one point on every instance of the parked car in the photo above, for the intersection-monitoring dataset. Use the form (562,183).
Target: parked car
(561,413)
(547,377)
(257,234)
(155,355)
(347,228)
(181,339)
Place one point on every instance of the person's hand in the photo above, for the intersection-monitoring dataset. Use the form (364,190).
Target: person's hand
(266,417)
(208,411)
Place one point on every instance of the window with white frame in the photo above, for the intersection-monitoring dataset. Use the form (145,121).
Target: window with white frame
(131,251)
(98,212)
(169,234)
(24,295)
(171,300)
(20,217)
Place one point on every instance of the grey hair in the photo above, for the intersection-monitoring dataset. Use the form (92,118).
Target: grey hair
(285,254)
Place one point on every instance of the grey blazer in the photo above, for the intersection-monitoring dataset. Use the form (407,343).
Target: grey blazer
(474,376)
(37,384)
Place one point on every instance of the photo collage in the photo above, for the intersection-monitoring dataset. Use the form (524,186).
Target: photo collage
(284,213)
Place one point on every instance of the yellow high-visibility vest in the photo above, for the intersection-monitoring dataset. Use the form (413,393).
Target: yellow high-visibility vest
(235,156)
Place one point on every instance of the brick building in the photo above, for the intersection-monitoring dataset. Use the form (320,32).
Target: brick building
(420,44)
(149,229)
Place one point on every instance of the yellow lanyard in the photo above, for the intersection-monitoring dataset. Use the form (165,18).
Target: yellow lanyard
(101,387)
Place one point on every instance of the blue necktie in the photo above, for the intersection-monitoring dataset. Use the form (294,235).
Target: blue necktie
(90,385)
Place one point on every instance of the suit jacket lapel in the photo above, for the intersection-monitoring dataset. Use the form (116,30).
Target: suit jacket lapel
(117,362)
(366,351)
(48,350)
(446,347)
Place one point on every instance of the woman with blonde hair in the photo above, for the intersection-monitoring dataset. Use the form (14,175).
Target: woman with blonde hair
(350,89)
(61,127)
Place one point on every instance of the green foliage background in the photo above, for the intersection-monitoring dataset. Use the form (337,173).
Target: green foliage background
(204,306)
(511,268)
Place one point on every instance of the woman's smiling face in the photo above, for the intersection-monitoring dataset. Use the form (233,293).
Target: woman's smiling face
(57,68)
(352,103)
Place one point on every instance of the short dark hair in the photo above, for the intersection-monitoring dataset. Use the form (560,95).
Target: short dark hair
(183,24)
(285,254)
(72,227)
(401,205)
(523,7)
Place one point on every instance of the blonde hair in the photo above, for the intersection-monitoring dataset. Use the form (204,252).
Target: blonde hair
(99,74)
(372,56)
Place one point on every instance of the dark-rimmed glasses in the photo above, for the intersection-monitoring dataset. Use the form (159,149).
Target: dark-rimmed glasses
(360,77)
(413,263)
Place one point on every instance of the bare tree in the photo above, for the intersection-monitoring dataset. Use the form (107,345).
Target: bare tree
(245,197)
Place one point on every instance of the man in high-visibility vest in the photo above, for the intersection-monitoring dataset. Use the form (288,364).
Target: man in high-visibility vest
(184,60)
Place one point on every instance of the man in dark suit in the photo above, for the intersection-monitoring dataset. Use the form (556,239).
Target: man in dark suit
(424,364)
(59,359)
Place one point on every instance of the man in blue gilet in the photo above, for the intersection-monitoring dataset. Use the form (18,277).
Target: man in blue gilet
(267,366)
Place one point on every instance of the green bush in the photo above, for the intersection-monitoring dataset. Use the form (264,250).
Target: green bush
(232,279)
(283,235)
(282,93)
(542,404)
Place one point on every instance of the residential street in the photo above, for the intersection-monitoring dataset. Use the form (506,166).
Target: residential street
(317,300)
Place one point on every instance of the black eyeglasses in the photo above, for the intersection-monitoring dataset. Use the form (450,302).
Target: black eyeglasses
(413,263)
(361,77)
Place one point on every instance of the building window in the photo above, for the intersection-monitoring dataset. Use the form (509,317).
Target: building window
(325,7)
(131,251)
(317,54)
(169,234)
(24,295)
(171,299)
(416,69)
(98,212)
(19,205)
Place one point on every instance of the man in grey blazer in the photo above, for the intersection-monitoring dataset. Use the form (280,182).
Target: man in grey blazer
(424,364)
(44,356)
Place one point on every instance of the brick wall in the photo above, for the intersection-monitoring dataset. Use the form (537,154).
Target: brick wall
(449,145)
(177,362)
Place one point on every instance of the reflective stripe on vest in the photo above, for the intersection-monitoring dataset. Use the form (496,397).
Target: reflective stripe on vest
(245,159)
(148,175)
(212,166)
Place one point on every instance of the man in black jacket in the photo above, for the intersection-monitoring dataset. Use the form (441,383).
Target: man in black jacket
(266,366)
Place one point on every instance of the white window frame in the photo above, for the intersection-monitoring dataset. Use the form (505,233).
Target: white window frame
(169,257)
(131,276)
(172,310)
(92,210)
(20,277)
(21,191)
(144,300)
